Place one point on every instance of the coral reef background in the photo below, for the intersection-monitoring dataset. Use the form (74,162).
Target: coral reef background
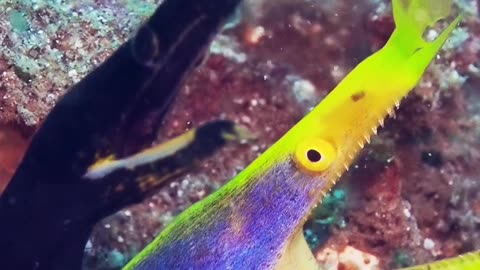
(412,197)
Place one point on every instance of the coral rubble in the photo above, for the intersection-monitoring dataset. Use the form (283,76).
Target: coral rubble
(413,195)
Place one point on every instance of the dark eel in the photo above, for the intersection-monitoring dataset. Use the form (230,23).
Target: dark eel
(47,211)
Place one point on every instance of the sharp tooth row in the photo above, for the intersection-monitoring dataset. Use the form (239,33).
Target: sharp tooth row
(367,138)
(397,104)
(361,144)
(389,111)
(393,114)
(381,122)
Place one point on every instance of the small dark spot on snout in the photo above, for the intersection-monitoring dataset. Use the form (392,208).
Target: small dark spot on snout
(417,50)
(358,96)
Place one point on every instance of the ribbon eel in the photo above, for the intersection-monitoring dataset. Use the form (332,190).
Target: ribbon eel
(255,221)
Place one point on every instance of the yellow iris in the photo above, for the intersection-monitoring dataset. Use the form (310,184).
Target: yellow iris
(314,155)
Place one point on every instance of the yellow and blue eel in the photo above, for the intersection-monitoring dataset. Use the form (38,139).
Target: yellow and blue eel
(255,221)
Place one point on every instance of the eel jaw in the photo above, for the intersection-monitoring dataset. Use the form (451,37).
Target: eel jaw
(297,255)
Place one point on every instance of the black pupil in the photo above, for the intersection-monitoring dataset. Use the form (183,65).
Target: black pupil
(314,155)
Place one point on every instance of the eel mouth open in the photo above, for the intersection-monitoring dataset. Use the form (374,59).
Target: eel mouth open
(297,255)
(373,103)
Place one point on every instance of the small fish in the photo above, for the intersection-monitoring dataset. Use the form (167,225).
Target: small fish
(217,132)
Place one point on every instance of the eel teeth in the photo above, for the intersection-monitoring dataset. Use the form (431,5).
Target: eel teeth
(361,144)
(374,130)
(397,104)
(381,121)
(367,138)
(346,167)
(391,113)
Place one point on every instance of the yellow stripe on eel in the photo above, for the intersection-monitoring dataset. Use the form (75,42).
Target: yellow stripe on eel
(108,165)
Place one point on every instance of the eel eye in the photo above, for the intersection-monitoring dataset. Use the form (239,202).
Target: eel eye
(314,155)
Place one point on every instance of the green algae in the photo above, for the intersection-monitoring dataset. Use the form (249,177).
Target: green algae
(331,211)
(19,21)
(401,259)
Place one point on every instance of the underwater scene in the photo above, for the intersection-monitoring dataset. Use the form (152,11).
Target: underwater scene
(229,134)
